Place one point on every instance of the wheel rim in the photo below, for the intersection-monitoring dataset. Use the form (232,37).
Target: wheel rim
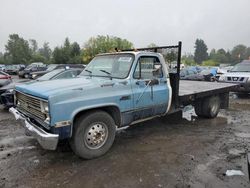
(96,135)
(215,106)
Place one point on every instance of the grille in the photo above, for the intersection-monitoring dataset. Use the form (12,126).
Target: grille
(30,104)
(236,79)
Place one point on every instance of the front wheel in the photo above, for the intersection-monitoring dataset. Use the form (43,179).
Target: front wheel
(93,134)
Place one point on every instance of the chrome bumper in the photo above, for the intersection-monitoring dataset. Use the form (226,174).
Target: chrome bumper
(46,140)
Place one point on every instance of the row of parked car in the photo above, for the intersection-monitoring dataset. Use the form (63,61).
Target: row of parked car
(50,72)
(199,73)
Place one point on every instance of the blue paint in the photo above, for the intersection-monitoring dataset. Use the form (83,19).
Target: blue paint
(71,96)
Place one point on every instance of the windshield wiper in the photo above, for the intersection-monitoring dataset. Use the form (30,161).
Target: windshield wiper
(108,73)
(88,71)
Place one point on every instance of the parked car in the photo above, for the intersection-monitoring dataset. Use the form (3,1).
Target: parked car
(4,78)
(33,67)
(13,69)
(192,74)
(239,74)
(223,70)
(35,75)
(2,67)
(7,92)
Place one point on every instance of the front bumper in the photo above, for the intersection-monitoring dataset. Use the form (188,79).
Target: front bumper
(46,140)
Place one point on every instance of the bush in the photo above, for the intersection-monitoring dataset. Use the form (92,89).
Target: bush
(210,63)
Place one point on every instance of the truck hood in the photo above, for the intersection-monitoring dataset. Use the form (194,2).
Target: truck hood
(44,89)
(237,74)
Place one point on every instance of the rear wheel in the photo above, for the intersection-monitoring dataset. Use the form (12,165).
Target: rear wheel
(208,108)
(93,134)
(26,76)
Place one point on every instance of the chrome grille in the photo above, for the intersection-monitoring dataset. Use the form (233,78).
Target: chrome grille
(30,104)
(236,79)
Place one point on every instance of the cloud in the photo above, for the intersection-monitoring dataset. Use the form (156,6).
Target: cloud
(222,24)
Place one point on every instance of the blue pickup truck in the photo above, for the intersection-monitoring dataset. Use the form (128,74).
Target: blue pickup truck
(115,90)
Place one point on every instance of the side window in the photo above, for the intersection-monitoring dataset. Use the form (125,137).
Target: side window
(148,67)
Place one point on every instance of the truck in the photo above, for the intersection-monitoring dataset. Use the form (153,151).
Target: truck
(115,90)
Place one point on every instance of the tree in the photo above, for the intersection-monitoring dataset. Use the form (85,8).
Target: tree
(103,44)
(200,53)
(1,58)
(45,51)
(218,56)
(68,53)
(238,53)
(17,50)
(34,45)
(152,45)
(75,49)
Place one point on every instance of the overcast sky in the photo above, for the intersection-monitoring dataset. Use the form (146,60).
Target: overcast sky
(220,23)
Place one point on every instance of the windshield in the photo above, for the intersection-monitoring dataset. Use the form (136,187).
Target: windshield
(115,66)
(51,67)
(49,75)
(241,67)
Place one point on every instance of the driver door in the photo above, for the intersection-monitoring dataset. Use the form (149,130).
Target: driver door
(149,86)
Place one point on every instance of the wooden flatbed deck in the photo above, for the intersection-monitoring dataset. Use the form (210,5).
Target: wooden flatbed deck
(191,90)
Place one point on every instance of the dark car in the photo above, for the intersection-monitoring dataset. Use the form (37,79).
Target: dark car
(192,74)
(35,75)
(7,92)
(33,67)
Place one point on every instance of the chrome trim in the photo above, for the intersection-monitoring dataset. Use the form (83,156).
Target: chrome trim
(46,140)
(32,96)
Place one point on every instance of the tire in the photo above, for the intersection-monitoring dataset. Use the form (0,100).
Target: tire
(211,107)
(93,134)
(26,76)
(198,108)
(208,108)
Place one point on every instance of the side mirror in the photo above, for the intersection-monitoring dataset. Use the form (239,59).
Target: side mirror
(157,71)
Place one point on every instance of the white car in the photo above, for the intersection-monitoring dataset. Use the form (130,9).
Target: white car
(239,74)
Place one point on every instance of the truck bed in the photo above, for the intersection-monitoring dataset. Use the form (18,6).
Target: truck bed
(191,90)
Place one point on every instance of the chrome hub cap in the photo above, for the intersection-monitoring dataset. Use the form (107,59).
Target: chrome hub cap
(96,135)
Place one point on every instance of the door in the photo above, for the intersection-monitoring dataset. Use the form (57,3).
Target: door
(149,86)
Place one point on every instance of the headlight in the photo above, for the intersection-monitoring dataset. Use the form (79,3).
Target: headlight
(44,107)
(34,75)
(222,78)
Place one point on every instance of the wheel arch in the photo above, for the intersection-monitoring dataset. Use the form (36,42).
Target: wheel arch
(112,110)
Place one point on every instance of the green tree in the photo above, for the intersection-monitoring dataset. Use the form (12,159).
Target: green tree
(200,53)
(45,51)
(238,53)
(219,56)
(1,58)
(68,53)
(17,50)
(75,49)
(103,44)
(188,60)
(34,45)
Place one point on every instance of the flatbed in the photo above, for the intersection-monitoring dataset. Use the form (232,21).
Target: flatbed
(189,91)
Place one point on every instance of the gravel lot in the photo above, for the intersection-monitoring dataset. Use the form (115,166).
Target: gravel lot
(164,152)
